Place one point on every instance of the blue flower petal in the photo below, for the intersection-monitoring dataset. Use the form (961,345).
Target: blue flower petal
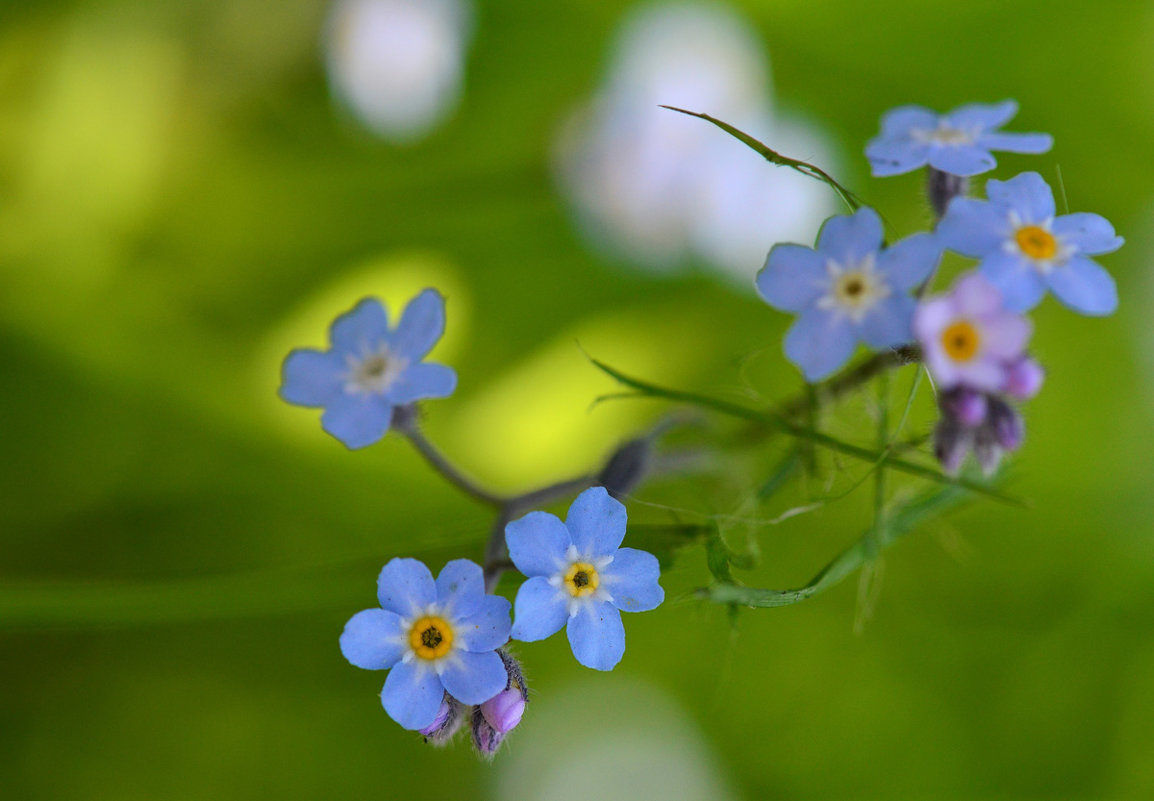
(486,627)
(539,611)
(819,342)
(973,227)
(901,121)
(1028,194)
(537,543)
(413,693)
(631,579)
(793,277)
(421,325)
(896,156)
(982,116)
(848,238)
(596,522)
(474,678)
(1089,233)
(373,639)
(361,329)
(597,635)
(1016,278)
(1084,286)
(1016,142)
(909,262)
(889,324)
(460,588)
(964,160)
(357,420)
(312,378)
(422,381)
(406,587)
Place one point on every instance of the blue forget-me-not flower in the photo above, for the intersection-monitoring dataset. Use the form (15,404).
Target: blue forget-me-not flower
(958,143)
(434,637)
(580,578)
(848,290)
(1025,249)
(370,368)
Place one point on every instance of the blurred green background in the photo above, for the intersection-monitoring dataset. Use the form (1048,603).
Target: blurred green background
(182,201)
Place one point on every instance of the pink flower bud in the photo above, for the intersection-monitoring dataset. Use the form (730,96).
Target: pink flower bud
(1024,379)
(504,711)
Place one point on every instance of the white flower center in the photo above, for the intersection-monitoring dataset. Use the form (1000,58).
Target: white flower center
(579,580)
(373,372)
(854,289)
(944,135)
(1037,243)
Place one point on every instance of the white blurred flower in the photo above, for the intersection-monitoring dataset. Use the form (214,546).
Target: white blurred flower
(662,188)
(397,64)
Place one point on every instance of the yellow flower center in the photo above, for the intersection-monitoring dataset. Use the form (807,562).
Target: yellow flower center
(581,579)
(431,637)
(1036,242)
(960,341)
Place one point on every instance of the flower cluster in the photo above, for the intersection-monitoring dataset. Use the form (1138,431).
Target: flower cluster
(853,289)
(445,641)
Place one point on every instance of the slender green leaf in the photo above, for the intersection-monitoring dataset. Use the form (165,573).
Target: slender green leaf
(805,434)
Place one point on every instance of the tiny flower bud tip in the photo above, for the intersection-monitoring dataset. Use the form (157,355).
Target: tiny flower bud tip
(1024,379)
(504,711)
(1008,426)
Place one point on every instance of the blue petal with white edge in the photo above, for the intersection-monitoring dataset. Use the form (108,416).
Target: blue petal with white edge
(1016,142)
(963,160)
(413,693)
(474,678)
(889,157)
(596,522)
(597,635)
(422,324)
(849,238)
(982,116)
(793,277)
(357,420)
(1028,194)
(373,639)
(889,323)
(819,342)
(909,262)
(1084,286)
(631,579)
(422,380)
(312,378)
(486,627)
(537,543)
(973,227)
(1091,234)
(1017,279)
(460,588)
(539,611)
(406,587)
(361,329)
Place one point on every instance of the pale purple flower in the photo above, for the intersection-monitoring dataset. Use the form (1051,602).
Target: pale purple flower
(968,338)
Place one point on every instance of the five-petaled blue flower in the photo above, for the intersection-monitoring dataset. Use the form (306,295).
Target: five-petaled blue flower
(437,637)
(958,143)
(1025,249)
(370,368)
(579,577)
(846,291)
